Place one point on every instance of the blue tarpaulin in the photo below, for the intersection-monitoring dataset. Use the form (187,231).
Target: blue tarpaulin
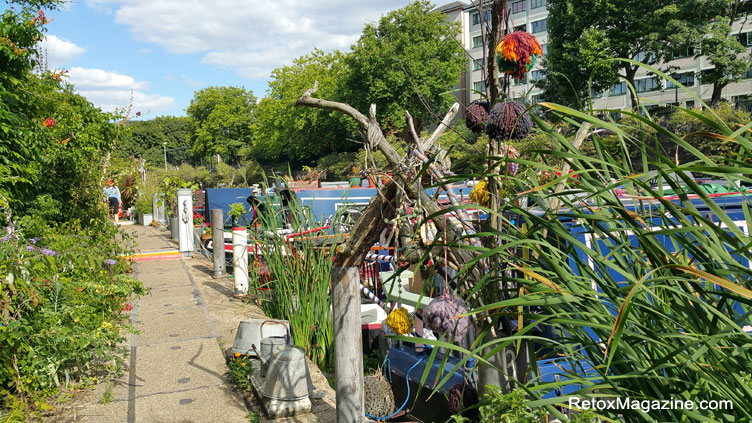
(221,198)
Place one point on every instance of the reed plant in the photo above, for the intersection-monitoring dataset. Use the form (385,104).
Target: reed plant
(299,274)
(648,294)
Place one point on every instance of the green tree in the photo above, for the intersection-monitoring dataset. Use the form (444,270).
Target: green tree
(222,122)
(298,133)
(145,140)
(584,33)
(409,61)
(726,53)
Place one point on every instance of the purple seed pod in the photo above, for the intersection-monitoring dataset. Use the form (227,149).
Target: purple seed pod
(509,121)
(441,316)
(476,115)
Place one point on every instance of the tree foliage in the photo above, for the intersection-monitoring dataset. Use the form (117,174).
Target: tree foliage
(286,131)
(725,53)
(222,122)
(145,140)
(584,34)
(409,61)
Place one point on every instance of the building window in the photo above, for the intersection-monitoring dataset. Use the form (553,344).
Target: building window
(479,86)
(534,4)
(596,94)
(476,17)
(687,79)
(477,41)
(516,81)
(538,26)
(644,57)
(477,64)
(690,104)
(537,76)
(745,38)
(518,6)
(688,52)
(544,48)
(645,85)
(747,74)
(520,28)
(537,98)
(618,89)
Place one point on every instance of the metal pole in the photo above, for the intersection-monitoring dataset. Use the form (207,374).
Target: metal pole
(348,347)
(164,149)
(240,259)
(218,242)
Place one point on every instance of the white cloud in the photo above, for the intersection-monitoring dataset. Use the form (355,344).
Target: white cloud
(251,36)
(112,90)
(59,51)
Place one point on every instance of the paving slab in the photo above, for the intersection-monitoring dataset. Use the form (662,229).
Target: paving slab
(178,366)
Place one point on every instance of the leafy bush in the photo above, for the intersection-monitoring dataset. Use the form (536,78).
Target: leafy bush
(63,297)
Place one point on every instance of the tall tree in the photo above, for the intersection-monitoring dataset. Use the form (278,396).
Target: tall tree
(409,61)
(286,131)
(222,122)
(584,33)
(727,54)
(145,140)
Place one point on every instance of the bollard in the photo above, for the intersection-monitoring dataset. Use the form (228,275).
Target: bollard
(185,220)
(240,259)
(348,347)
(155,207)
(218,242)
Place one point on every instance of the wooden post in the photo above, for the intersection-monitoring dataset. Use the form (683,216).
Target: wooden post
(348,349)
(218,242)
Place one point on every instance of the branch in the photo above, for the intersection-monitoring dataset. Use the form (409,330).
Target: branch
(443,126)
(307,100)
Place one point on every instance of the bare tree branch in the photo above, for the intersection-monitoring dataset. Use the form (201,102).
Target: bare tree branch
(307,100)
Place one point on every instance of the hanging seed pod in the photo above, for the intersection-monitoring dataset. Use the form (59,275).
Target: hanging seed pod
(477,115)
(517,53)
(458,393)
(509,121)
(399,321)
(441,316)
(378,395)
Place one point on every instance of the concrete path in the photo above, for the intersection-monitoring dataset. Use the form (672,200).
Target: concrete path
(176,369)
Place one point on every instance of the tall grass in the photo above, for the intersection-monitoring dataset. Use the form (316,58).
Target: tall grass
(647,295)
(298,286)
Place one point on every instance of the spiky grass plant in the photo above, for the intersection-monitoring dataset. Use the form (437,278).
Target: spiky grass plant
(648,295)
(299,277)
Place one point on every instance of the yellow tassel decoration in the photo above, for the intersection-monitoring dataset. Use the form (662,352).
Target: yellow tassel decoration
(399,321)
(480,195)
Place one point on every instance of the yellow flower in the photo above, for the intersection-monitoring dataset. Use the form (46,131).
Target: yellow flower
(242,363)
(399,321)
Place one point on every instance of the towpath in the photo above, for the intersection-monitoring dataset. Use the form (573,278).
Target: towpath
(176,370)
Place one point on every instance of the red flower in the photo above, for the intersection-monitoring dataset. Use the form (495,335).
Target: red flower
(127,307)
(138,114)
(49,122)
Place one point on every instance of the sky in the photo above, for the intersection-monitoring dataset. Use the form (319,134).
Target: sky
(159,52)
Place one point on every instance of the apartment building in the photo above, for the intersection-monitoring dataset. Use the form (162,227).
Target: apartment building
(531,16)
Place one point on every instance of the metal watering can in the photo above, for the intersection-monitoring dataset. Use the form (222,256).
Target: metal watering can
(284,374)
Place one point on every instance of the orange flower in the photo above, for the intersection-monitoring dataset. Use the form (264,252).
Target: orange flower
(65,141)
(237,355)
(242,363)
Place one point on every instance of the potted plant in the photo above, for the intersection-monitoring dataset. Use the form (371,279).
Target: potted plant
(143,210)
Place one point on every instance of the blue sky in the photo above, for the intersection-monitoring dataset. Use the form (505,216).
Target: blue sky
(162,51)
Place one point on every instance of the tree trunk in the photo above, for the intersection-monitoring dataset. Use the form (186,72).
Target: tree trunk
(717,91)
(629,72)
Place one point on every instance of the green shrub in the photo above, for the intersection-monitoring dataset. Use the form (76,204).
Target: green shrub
(63,298)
